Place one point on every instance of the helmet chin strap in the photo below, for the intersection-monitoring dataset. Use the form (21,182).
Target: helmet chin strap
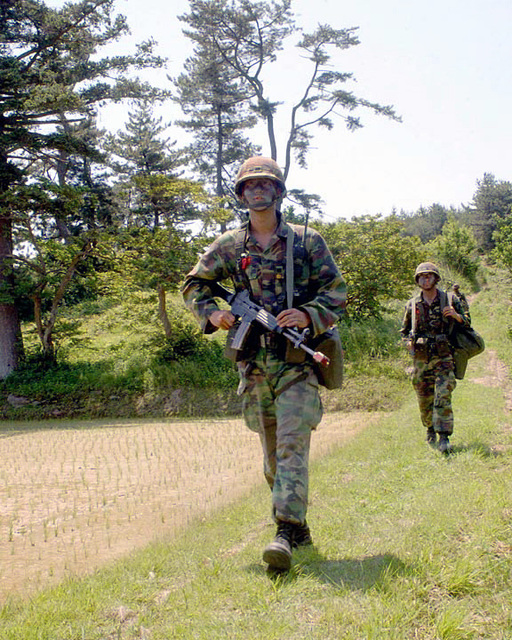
(261,206)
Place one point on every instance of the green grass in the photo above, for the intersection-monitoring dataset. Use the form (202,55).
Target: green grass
(119,364)
(409,544)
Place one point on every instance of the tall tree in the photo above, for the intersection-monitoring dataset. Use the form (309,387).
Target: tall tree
(211,95)
(492,204)
(141,149)
(148,166)
(49,70)
(247,37)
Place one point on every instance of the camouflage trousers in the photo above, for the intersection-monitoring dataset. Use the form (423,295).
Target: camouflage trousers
(434,382)
(282,404)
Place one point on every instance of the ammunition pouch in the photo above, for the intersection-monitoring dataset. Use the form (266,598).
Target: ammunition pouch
(443,347)
(421,348)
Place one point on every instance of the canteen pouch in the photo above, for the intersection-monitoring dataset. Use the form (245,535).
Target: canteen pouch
(329,343)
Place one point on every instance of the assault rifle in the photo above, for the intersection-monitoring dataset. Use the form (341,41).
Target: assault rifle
(249,312)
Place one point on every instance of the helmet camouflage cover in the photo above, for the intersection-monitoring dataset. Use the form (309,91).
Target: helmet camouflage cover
(427,267)
(259,167)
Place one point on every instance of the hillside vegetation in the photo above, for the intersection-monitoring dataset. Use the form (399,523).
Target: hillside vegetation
(119,364)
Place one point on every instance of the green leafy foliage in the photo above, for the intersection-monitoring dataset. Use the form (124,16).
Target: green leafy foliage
(503,243)
(427,223)
(491,206)
(51,80)
(456,248)
(376,260)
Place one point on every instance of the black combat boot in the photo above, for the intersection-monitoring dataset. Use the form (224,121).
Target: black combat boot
(301,536)
(431,437)
(444,445)
(278,554)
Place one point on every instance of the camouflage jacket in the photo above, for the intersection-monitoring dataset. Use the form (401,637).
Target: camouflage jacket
(319,288)
(429,318)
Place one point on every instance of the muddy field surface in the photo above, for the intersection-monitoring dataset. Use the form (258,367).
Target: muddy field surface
(74,499)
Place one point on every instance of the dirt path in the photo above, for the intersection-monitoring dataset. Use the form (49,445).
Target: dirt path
(72,500)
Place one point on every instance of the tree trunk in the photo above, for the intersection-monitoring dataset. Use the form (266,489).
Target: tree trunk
(162,312)
(46,328)
(11,345)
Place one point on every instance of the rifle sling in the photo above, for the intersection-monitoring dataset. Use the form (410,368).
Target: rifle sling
(290,383)
(289,267)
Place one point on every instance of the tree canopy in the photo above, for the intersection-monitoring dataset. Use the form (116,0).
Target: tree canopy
(51,79)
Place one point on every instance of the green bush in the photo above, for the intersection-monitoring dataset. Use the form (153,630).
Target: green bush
(456,248)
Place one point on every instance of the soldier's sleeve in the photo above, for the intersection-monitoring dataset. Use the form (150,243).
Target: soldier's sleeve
(211,267)
(406,321)
(330,289)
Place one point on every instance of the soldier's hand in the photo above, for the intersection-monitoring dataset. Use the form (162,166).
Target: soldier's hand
(293,318)
(449,312)
(222,319)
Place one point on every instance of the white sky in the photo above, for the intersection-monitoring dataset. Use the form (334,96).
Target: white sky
(445,66)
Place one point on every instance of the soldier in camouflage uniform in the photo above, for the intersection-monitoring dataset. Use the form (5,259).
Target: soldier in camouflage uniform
(281,401)
(426,335)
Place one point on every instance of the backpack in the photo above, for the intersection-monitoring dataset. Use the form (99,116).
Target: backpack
(466,342)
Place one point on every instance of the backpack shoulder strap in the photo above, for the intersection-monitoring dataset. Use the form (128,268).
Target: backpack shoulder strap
(290,241)
(239,276)
(296,238)
(240,242)
(446,299)
(414,301)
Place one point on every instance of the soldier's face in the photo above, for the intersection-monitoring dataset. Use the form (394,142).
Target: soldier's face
(427,281)
(259,193)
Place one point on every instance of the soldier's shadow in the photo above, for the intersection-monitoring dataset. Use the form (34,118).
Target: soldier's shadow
(356,574)
(476,447)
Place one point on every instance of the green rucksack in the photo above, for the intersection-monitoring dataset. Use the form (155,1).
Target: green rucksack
(466,342)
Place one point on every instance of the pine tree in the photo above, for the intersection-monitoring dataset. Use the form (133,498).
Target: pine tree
(491,206)
(216,104)
(246,37)
(150,170)
(50,76)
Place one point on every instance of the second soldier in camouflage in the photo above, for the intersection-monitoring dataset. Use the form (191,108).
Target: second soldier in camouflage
(425,328)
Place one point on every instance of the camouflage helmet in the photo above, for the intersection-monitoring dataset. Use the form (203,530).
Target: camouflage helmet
(259,167)
(427,267)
